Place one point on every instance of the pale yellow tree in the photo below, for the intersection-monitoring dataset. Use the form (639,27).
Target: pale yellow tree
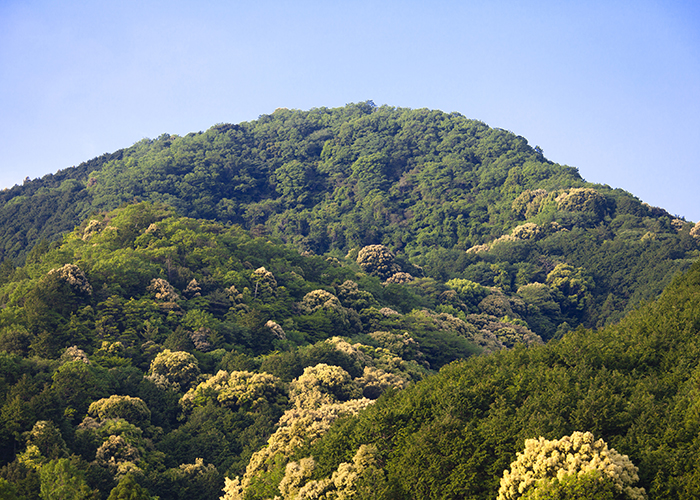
(163,290)
(74,276)
(132,409)
(237,389)
(322,384)
(579,454)
(297,427)
(341,485)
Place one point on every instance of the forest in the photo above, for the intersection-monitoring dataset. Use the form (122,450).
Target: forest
(361,302)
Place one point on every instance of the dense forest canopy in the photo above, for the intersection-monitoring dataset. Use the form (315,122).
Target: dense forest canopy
(166,349)
(627,393)
(261,310)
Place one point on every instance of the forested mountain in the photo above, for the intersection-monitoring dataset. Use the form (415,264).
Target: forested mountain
(170,308)
(445,193)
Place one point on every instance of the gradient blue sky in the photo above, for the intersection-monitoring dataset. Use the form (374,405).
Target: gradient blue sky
(610,87)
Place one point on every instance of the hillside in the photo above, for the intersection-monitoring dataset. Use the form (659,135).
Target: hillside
(166,349)
(634,385)
(451,197)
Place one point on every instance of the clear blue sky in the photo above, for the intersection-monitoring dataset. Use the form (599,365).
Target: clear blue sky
(610,87)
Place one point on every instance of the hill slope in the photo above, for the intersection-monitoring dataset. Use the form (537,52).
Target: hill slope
(165,349)
(634,385)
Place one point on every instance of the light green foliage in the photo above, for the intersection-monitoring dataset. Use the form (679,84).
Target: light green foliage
(582,486)
(131,409)
(540,296)
(469,292)
(60,480)
(177,370)
(572,286)
(576,454)
(129,489)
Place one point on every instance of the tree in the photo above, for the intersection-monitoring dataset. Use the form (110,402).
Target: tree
(131,409)
(322,384)
(584,486)
(378,260)
(572,287)
(7,490)
(129,489)
(76,383)
(291,182)
(238,389)
(48,439)
(469,292)
(61,480)
(543,461)
(177,370)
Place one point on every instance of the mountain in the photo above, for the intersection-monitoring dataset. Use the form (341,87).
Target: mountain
(451,197)
(355,302)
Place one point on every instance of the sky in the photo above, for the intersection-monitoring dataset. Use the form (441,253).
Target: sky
(609,87)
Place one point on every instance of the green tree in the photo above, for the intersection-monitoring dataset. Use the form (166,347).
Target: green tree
(129,489)
(7,490)
(131,409)
(61,480)
(584,486)
(572,287)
